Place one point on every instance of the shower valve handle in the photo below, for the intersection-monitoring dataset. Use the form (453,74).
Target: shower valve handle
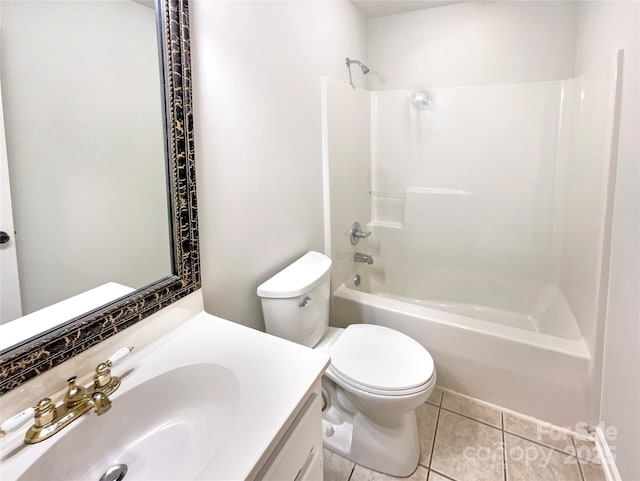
(356,233)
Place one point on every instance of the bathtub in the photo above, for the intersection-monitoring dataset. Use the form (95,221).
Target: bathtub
(508,341)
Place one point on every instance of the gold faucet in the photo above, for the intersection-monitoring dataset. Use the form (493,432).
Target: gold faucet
(48,418)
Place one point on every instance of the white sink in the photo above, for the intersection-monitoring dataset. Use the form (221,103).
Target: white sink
(205,402)
(167,414)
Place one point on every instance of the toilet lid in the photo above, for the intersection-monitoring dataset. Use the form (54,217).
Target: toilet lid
(381,358)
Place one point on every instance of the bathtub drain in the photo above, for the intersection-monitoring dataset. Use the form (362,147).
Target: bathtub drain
(356,280)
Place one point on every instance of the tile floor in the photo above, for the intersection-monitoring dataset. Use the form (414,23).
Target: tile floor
(462,439)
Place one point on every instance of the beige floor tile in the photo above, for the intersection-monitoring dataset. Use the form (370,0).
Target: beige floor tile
(427,415)
(592,472)
(436,396)
(361,473)
(473,409)
(467,450)
(539,432)
(336,468)
(527,461)
(586,449)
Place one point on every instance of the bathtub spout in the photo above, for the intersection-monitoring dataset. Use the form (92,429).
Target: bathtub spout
(360,257)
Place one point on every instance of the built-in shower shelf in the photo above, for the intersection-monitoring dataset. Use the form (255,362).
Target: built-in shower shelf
(387,209)
(385,224)
(393,210)
(437,190)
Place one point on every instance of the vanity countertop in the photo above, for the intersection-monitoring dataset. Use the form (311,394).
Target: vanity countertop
(271,379)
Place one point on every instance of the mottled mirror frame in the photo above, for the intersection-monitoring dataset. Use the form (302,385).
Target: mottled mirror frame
(38,355)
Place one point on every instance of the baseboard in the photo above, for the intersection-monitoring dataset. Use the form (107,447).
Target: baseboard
(607,457)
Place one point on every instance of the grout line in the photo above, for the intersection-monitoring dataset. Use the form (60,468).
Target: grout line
(473,419)
(351,473)
(439,402)
(504,448)
(435,432)
(542,444)
(434,436)
(584,460)
(577,458)
(440,474)
(589,461)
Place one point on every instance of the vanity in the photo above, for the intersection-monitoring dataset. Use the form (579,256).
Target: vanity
(200,398)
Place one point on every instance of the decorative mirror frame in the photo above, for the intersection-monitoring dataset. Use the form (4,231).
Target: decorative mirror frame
(54,347)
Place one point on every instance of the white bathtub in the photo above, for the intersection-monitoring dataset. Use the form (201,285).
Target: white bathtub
(507,341)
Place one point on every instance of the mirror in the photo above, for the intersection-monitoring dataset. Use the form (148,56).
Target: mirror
(99,133)
(100,161)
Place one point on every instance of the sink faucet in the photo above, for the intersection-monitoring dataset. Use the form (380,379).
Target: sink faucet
(360,257)
(49,418)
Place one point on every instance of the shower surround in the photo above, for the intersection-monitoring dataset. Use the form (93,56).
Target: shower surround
(489,207)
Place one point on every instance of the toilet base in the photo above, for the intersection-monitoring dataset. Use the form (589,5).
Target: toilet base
(388,445)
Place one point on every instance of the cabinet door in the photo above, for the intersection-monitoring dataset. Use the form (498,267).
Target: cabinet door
(298,455)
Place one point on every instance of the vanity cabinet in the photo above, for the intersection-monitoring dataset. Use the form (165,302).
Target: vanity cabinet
(229,418)
(298,454)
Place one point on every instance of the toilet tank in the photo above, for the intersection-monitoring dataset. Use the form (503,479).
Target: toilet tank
(295,301)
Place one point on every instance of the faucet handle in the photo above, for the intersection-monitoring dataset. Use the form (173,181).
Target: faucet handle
(45,412)
(74,393)
(119,355)
(356,233)
(15,421)
(103,379)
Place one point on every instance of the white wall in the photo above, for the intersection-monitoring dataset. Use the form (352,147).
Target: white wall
(84,129)
(473,43)
(602,28)
(257,68)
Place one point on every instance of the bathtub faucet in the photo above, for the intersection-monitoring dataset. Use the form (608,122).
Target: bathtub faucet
(360,257)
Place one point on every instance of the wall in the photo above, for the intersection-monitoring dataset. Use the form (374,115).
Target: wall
(347,176)
(257,69)
(473,43)
(602,28)
(87,169)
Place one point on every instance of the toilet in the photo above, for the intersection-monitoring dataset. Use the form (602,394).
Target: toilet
(377,377)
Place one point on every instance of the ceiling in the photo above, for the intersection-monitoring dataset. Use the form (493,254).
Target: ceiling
(380,8)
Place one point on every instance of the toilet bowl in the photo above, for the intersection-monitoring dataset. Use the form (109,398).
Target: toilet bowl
(375,381)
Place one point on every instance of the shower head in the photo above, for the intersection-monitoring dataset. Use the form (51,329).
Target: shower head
(363,67)
(421,100)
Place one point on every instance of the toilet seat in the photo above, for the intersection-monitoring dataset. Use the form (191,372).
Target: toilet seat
(379,360)
(341,380)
